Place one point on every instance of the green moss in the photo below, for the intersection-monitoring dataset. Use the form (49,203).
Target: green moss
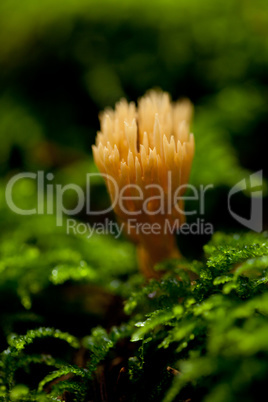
(212,327)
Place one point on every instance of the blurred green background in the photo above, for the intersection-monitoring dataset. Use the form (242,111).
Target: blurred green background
(62,62)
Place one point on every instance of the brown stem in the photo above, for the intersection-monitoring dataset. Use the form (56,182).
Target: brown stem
(153,249)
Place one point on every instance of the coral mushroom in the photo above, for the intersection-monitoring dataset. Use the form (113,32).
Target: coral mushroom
(148,151)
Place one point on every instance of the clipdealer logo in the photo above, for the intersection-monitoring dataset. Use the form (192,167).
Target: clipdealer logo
(254,184)
(50,200)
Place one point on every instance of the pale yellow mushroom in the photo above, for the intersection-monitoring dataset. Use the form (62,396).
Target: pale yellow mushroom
(145,146)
